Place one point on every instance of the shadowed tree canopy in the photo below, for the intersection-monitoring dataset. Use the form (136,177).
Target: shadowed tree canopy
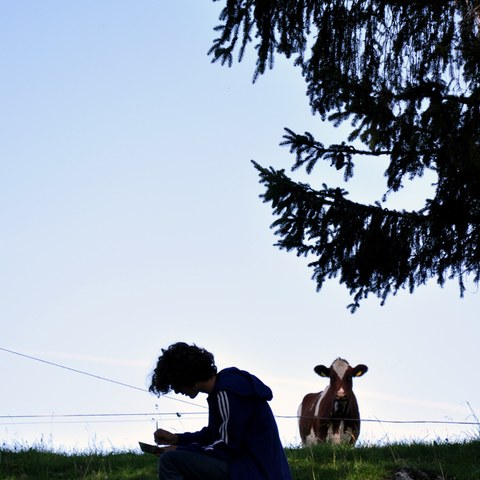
(406,76)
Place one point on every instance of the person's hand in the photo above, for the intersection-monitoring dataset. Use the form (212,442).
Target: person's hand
(162,450)
(164,437)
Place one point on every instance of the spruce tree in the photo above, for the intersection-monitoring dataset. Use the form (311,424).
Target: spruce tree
(405,75)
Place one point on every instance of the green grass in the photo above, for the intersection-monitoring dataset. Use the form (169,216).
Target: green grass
(39,464)
(449,461)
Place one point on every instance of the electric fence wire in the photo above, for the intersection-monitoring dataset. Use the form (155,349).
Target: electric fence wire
(155,414)
(99,377)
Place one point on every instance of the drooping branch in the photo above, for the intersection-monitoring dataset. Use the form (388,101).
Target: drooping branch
(369,248)
(406,75)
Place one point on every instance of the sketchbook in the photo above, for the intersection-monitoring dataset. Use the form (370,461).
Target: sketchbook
(147,448)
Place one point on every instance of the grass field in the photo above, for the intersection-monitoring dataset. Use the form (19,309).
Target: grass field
(448,461)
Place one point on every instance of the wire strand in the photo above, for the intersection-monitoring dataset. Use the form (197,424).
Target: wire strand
(98,377)
(72,369)
(181,414)
(178,414)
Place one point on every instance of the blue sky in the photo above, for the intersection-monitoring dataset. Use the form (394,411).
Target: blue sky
(130,218)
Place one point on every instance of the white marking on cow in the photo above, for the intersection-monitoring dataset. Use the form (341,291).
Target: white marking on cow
(317,405)
(311,438)
(340,367)
(342,436)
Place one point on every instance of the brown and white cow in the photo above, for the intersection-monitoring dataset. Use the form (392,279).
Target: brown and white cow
(332,415)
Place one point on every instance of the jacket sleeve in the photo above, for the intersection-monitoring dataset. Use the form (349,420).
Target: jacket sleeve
(202,437)
(235,418)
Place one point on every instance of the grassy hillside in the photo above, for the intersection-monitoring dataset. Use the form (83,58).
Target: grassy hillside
(457,461)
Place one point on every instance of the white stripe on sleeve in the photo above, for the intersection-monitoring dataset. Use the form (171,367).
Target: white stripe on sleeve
(224,408)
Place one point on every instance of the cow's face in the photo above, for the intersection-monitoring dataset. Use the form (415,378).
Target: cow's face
(341,383)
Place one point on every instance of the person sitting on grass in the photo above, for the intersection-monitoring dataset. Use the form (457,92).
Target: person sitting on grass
(241,440)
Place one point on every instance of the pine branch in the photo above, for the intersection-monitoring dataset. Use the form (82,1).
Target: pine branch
(407,77)
(370,249)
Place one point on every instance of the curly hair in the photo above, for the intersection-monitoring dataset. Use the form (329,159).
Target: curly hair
(181,365)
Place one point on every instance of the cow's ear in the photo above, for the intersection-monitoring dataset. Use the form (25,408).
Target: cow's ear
(359,370)
(322,370)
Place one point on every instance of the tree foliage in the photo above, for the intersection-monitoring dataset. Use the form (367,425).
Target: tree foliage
(406,75)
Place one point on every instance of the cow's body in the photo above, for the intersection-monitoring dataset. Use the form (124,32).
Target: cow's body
(332,415)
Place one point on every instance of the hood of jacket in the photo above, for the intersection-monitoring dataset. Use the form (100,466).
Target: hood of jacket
(242,383)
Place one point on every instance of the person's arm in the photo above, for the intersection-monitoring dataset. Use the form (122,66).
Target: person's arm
(236,413)
(202,437)
(164,437)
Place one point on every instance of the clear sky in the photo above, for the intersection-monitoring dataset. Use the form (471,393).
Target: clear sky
(130,219)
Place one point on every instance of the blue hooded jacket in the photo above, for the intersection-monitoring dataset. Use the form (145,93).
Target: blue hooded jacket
(241,429)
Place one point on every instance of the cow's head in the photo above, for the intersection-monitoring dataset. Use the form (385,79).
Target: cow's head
(341,382)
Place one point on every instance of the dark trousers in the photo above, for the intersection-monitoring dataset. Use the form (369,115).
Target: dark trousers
(185,465)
